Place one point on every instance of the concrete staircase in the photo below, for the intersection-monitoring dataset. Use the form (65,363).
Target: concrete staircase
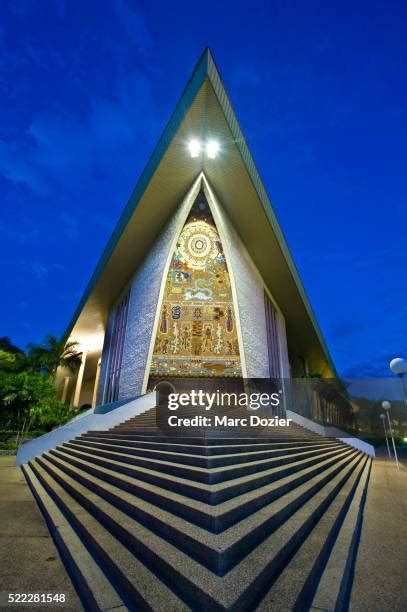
(148,521)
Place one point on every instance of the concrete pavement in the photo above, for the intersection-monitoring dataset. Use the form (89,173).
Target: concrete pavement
(29,561)
(380,581)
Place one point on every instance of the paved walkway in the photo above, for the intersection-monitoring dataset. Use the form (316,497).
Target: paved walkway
(380,583)
(29,561)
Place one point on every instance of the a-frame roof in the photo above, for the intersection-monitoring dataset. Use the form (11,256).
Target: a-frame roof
(204,111)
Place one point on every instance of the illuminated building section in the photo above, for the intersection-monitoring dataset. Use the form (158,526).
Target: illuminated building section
(196,334)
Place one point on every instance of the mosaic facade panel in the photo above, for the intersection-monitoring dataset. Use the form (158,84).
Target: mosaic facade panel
(197,334)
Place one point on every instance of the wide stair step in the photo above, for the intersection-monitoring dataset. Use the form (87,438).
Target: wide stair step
(152,521)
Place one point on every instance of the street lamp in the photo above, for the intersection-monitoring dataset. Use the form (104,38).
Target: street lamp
(399,367)
(383,418)
(386,406)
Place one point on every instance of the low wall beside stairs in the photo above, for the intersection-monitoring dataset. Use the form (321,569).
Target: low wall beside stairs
(81,424)
(331,432)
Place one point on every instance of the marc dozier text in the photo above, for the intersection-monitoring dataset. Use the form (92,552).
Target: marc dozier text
(205,400)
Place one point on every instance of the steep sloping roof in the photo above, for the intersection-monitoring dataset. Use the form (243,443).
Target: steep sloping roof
(203,111)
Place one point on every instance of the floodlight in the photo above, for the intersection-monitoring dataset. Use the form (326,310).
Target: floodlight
(212,148)
(194,147)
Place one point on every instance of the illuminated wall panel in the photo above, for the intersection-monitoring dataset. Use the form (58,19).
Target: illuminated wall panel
(197,333)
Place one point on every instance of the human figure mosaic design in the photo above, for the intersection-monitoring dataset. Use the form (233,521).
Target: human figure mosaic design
(196,334)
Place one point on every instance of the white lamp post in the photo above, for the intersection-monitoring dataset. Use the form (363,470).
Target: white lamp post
(399,367)
(383,418)
(386,406)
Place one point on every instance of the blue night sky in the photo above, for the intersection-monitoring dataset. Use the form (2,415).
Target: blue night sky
(320,90)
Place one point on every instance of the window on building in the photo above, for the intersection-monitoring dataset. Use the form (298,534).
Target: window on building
(116,350)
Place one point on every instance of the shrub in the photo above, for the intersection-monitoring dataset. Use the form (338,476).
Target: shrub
(48,416)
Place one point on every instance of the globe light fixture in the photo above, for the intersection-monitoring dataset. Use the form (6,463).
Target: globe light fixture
(399,367)
(386,406)
(194,147)
(212,149)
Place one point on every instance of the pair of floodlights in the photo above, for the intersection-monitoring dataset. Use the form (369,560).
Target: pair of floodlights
(196,147)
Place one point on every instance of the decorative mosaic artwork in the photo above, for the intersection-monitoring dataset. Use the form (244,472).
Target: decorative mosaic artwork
(197,335)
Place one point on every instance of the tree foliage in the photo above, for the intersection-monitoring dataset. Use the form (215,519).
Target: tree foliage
(7,346)
(46,416)
(54,353)
(27,387)
(20,394)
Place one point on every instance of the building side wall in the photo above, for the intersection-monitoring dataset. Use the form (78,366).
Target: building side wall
(250,295)
(144,295)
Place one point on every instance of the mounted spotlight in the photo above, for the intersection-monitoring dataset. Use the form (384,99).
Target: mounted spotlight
(194,147)
(212,149)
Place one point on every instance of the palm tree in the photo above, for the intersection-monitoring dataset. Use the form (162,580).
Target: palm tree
(54,353)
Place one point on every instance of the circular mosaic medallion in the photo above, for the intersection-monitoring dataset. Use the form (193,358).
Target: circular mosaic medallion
(197,244)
